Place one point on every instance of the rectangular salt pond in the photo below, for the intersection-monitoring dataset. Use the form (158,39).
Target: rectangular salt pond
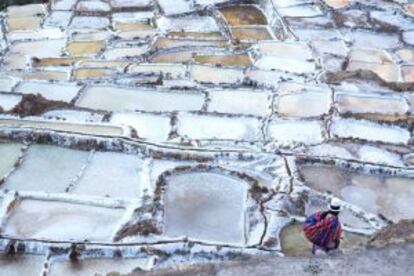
(94,129)
(126,99)
(60,221)
(18,265)
(111,174)
(218,128)
(51,91)
(9,154)
(205,206)
(246,102)
(144,125)
(89,267)
(378,194)
(47,168)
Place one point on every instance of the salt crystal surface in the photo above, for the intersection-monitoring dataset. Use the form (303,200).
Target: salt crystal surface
(148,126)
(9,155)
(188,24)
(130,3)
(248,102)
(214,127)
(126,99)
(47,168)
(175,7)
(376,155)
(39,49)
(300,11)
(317,103)
(389,196)
(349,128)
(111,174)
(330,151)
(60,19)
(52,91)
(287,132)
(210,209)
(7,102)
(93,129)
(89,22)
(61,221)
(19,265)
(7,83)
(74,116)
(365,39)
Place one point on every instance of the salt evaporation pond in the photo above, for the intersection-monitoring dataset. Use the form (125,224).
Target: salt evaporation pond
(347,218)
(205,206)
(386,195)
(111,174)
(98,129)
(47,168)
(59,221)
(9,155)
(18,265)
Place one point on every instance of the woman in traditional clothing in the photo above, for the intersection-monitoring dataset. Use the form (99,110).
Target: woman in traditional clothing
(324,229)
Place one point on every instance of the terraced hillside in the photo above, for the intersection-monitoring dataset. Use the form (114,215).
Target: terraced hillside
(140,134)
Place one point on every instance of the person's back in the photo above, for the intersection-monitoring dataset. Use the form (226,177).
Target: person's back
(323,229)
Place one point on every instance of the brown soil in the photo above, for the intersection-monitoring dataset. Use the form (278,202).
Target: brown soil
(400,232)
(36,105)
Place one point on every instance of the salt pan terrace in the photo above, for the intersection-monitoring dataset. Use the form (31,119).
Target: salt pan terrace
(139,134)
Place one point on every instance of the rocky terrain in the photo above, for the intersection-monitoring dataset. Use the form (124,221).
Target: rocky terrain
(137,135)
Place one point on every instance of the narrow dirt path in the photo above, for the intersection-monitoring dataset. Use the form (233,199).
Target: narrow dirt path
(392,260)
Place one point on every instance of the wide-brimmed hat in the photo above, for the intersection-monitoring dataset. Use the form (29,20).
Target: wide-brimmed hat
(335,205)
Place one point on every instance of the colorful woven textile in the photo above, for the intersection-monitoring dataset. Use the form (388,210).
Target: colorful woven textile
(322,230)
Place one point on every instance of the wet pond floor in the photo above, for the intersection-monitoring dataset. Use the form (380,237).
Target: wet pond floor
(390,196)
(294,242)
